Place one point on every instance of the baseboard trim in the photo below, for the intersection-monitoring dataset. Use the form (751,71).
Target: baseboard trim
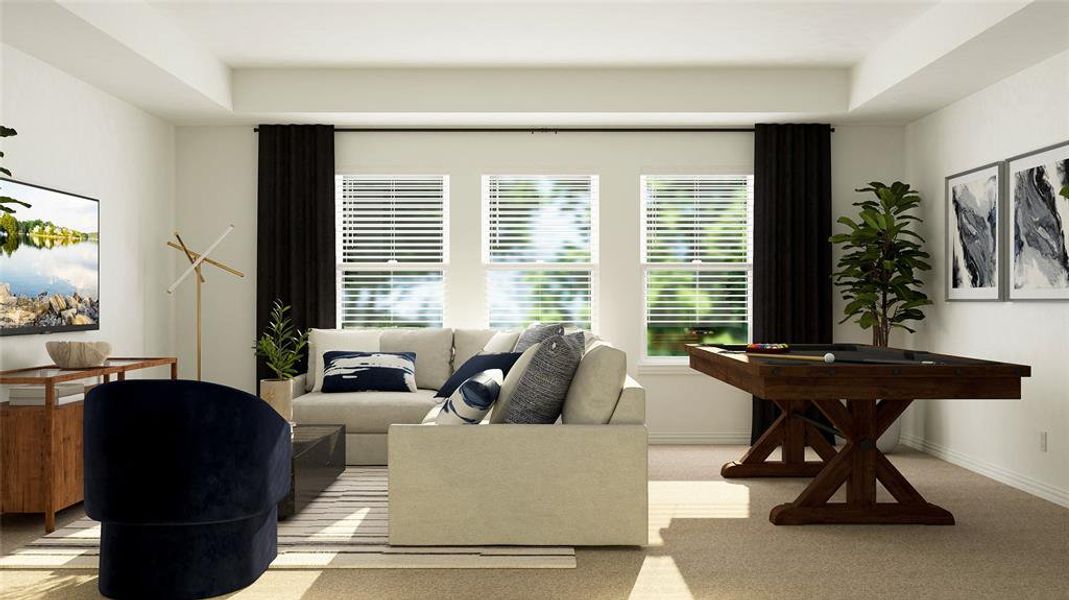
(699,438)
(1000,474)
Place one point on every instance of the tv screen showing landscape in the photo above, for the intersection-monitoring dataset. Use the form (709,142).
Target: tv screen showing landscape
(49,267)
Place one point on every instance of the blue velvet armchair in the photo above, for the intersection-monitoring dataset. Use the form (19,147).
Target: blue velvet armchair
(185,478)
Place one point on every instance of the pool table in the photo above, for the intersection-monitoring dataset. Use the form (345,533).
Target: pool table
(861,390)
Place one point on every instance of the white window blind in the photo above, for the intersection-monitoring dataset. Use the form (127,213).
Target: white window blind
(697,260)
(392,247)
(540,248)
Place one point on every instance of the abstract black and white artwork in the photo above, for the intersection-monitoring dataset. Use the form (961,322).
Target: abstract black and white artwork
(973,203)
(1039,219)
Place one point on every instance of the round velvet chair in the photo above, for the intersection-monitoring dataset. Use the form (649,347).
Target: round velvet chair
(185,478)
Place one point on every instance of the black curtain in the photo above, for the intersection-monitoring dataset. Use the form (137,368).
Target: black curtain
(792,254)
(295,226)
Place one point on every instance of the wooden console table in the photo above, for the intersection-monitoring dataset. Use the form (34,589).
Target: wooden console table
(41,446)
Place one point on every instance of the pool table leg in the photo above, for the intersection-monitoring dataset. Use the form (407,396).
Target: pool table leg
(792,434)
(858,466)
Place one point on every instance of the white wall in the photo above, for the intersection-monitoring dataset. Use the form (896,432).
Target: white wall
(76,138)
(217,185)
(999,438)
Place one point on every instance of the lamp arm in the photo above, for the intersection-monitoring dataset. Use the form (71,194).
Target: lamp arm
(199,260)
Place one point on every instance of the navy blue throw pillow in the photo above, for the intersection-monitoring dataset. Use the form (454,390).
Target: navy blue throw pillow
(345,371)
(475,365)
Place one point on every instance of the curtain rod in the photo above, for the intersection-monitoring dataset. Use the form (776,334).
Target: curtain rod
(542,129)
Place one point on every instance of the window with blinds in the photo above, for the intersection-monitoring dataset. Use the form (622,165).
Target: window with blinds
(392,249)
(540,248)
(697,249)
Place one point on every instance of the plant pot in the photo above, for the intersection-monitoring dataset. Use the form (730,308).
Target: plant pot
(279,394)
(889,440)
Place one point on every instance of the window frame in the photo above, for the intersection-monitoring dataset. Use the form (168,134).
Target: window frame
(340,268)
(591,267)
(665,364)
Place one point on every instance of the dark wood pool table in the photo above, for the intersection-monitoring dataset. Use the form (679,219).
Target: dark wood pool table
(861,394)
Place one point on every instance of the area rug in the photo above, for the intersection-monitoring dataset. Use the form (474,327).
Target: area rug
(344,528)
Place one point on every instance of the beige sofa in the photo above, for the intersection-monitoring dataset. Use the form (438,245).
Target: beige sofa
(496,483)
(537,485)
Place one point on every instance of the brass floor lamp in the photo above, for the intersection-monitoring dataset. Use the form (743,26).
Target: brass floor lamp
(196,260)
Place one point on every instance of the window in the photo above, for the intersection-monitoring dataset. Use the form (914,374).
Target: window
(540,248)
(697,249)
(392,249)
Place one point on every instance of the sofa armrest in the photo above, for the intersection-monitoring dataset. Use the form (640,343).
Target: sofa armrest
(631,407)
(299,383)
(505,484)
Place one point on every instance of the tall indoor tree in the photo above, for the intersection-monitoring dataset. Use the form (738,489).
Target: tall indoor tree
(882,255)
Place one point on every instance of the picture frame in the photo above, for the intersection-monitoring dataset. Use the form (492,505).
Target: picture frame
(1038,224)
(974,241)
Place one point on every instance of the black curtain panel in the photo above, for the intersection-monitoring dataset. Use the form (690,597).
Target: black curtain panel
(295,226)
(792,255)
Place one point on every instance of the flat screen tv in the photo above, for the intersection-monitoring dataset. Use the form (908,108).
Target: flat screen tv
(50,260)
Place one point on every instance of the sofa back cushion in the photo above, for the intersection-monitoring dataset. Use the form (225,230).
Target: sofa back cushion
(434,351)
(469,342)
(321,341)
(596,386)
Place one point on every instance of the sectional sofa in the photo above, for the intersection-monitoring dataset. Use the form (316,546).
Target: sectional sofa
(582,481)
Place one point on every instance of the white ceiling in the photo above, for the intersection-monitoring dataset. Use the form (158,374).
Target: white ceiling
(545,33)
(538,63)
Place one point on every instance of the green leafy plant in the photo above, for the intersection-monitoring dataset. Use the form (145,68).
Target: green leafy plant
(882,255)
(5,200)
(1065,191)
(281,344)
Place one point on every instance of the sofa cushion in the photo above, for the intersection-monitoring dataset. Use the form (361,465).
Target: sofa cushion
(596,386)
(363,412)
(321,341)
(368,371)
(540,393)
(469,342)
(472,400)
(503,341)
(536,333)
(434,352)
(508,386)
(476,365)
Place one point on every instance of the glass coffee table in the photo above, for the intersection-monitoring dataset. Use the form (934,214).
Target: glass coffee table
(318,459)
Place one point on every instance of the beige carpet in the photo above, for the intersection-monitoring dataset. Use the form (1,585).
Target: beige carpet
(713,540)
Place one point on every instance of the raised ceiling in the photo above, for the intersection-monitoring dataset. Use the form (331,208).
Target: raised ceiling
(538,63)
(569,34)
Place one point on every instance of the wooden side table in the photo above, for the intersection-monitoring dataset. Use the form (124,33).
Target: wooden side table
(41,446)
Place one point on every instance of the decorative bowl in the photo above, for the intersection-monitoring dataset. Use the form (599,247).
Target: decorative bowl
(78,355)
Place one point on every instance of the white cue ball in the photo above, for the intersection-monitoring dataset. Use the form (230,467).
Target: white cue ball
(829,358)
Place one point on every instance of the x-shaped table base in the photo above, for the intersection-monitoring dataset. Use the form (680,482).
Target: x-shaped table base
(859,464)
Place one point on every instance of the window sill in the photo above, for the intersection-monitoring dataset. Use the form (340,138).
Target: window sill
(666,368)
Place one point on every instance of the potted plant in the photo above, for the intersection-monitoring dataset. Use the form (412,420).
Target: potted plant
(280,346)
(878,270)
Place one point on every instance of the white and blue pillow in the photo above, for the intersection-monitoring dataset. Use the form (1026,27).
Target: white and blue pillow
(472,400)
(346,371)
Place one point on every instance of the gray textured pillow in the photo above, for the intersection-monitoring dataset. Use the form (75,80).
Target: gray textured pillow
(508,386)
(536,333)
(540,393)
